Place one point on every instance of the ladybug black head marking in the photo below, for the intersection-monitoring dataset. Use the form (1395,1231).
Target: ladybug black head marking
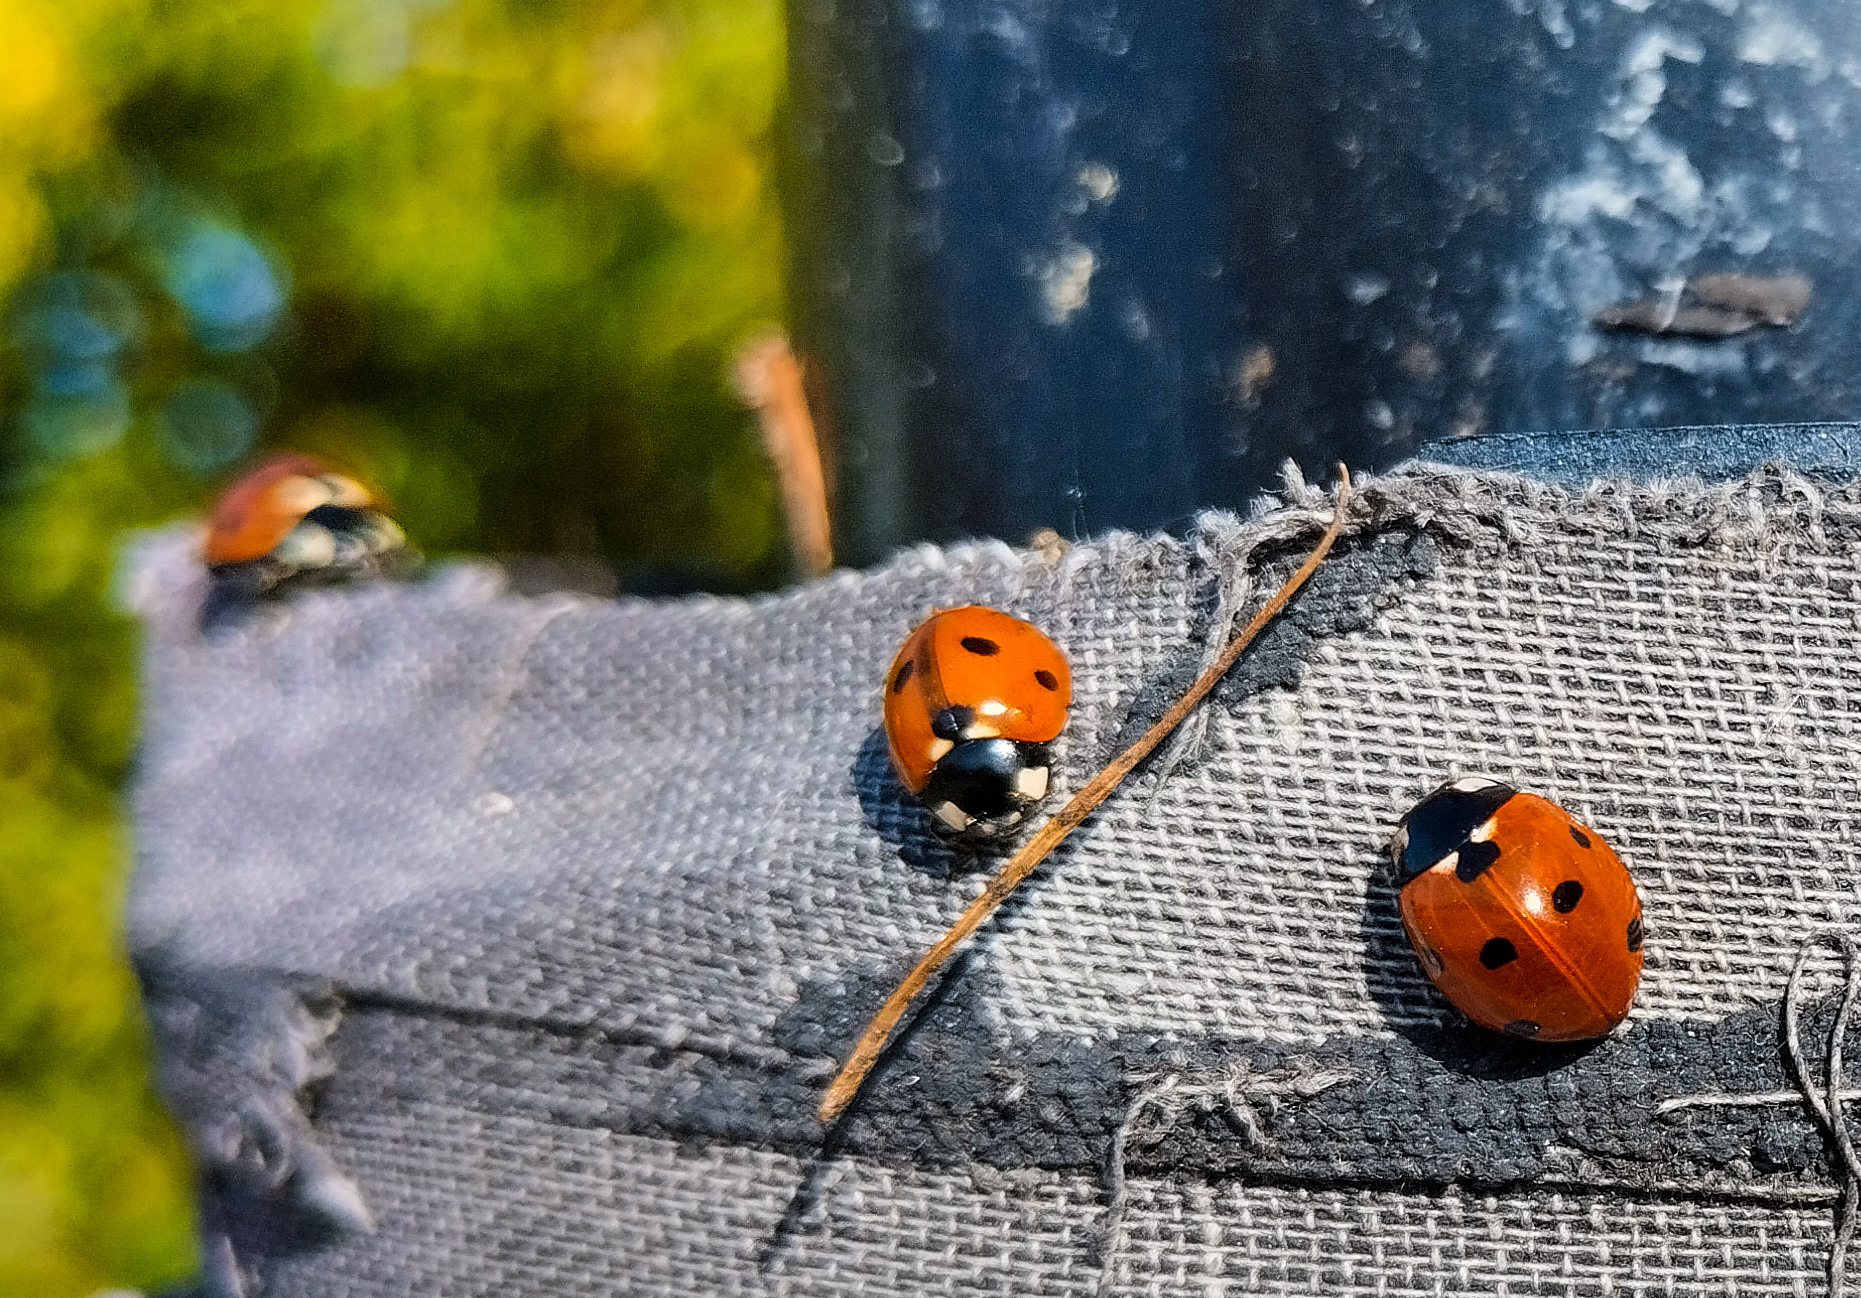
(952,722)
(1444,822)
(991,781)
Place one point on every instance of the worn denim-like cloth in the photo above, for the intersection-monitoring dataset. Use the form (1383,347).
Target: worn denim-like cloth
(501,945)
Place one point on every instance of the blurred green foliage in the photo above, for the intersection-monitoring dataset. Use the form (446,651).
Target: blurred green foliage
(493,255)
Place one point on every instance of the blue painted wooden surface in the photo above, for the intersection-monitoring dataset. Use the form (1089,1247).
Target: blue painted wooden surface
(1093,265)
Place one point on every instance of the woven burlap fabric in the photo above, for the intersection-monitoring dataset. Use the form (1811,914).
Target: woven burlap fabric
(527,931)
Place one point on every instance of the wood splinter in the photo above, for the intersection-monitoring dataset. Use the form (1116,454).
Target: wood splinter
(1024,862)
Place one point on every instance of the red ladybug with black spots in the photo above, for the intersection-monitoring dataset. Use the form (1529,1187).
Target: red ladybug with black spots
(294,519)
(1526,920)
(971,702)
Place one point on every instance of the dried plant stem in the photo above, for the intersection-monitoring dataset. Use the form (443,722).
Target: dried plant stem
(1068,818)
(770,380)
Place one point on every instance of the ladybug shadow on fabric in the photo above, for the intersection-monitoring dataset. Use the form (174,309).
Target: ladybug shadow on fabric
(1414,1010)
(901,820)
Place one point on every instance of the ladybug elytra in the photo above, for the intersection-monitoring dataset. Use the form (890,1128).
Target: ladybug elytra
(971,702)
(1526,920)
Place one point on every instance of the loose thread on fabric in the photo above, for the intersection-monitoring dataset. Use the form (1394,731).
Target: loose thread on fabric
(1230,552)
(1234,590)
(1237,1093)
(1825,1103)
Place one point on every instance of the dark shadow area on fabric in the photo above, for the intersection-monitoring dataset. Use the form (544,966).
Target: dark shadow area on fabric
(1360,578)
(246,1221)
(842,1032)
(957,1093)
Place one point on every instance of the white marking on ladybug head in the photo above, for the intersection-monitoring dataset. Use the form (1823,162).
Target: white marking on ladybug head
(980,731)
(387,534)
(1398,843)
(992,708)
(937,749)
(1447,864)
(1031,783)
(346,492)
(308,545)
(1482,831)
(953,816)
(1473,784)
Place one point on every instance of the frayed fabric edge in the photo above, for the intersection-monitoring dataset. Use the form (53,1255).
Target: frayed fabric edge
(237,1051)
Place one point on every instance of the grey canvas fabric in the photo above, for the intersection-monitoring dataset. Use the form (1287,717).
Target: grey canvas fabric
(504,945)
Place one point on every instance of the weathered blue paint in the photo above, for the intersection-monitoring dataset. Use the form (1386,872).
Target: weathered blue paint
(1091,265)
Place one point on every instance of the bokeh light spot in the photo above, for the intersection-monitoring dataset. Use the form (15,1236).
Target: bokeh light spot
(75,319)
(205,425)
(230,289)
(67,426)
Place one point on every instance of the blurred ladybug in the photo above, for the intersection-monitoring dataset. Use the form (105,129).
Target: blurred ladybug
(971,702)
(295,519)
(1525,919)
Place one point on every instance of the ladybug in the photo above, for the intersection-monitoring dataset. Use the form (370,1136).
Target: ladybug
(1526,920)
(971,702)
(295,519)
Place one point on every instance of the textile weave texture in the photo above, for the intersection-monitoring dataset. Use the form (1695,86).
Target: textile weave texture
(504,945)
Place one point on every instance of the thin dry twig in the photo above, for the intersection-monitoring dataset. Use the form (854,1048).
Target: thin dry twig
(770,381)
(1068,818)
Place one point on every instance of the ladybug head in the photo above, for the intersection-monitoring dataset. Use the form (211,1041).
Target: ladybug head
(983,787)
(1442,822)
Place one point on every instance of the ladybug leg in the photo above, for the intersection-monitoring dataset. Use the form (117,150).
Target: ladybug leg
(308,545)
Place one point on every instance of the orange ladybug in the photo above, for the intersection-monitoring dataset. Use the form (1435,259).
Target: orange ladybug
(296,517)
(971,702)
(1525,919)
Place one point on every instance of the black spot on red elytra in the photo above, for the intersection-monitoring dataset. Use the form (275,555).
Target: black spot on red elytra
(1634,934)
(1497,953)
(1523,1028)
(904,674)
(981,646)
(1475,860)
(1048,681)
(1583,839)
(1565,896)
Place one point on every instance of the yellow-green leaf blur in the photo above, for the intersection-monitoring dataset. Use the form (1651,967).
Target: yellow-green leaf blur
(492,255)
